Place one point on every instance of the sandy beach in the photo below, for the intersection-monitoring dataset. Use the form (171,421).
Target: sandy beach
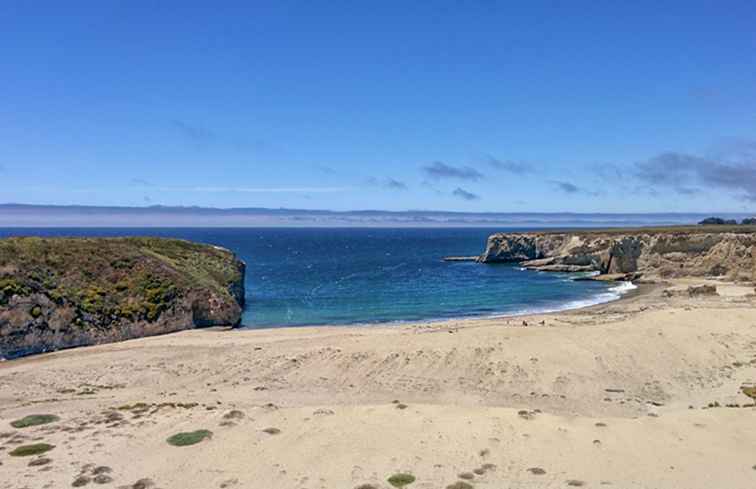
(640,393)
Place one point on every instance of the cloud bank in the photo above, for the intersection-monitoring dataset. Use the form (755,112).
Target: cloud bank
(689,175)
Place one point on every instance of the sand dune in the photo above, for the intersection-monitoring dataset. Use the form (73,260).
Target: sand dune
(616,395)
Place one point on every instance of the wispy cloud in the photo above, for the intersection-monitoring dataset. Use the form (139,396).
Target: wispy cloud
(139,182)
(571,189)
(566,187)
(464,194)
(609,172)
(325,170)
(256,190)
(439,170)
(515,167)
(387,183)
(194,134)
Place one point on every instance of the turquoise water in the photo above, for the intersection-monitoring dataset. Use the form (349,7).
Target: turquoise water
(343,276)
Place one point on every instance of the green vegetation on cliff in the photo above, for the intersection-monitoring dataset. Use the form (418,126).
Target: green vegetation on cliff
(74,286)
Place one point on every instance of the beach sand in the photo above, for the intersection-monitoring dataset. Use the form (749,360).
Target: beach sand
(616,395)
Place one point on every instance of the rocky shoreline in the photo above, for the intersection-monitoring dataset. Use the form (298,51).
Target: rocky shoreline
(653,254)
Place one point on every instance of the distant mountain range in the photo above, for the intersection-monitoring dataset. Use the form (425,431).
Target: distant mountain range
(14,215)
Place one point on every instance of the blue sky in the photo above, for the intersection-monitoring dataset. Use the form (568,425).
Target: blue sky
(470,106)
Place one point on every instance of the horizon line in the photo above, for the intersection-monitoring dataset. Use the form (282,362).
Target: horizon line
(17,205)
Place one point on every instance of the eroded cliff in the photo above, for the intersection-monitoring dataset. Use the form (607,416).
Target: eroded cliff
(63,292)
(663,253)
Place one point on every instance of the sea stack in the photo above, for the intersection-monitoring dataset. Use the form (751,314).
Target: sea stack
(63,292)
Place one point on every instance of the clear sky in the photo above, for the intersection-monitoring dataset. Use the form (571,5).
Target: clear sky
(468,105)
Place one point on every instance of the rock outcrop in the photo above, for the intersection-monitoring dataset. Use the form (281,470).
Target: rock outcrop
(64,292)
(652,252)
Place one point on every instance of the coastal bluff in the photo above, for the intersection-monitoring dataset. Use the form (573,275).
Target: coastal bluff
(64,292)
(704,251)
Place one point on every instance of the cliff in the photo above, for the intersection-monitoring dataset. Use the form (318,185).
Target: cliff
(64,292)
(665,252)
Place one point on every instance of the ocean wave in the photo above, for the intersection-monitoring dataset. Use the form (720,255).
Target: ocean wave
(612,294)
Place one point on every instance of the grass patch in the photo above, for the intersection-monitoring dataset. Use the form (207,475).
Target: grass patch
(189,438)
(468,476)
(749,391)
(536,471)
(81,481)
(29,450)
(34,420)
(102,479)
(401,480)
(272,431)
(460,485)
(234,414)
(139,406)
(37,462)
(142,484)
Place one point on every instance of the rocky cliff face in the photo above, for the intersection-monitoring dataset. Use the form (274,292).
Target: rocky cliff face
(63,292)
(663,253)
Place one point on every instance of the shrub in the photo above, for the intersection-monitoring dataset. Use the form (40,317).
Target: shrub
(29,450)
(401,479)
(34,420)
(189,438)
(460,485)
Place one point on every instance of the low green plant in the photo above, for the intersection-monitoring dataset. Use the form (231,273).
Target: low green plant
(401,479)
(34,420)
(460,485)
(189,438)
(29,450)
(139,406)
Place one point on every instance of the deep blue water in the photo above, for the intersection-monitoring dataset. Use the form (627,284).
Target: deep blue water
(341,276)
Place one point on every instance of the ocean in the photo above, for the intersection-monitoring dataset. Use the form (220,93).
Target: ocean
(316,276)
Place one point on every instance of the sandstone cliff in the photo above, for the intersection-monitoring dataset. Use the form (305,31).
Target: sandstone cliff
(663,253)
(63,292)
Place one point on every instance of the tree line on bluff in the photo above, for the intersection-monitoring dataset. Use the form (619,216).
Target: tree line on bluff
(748,221)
